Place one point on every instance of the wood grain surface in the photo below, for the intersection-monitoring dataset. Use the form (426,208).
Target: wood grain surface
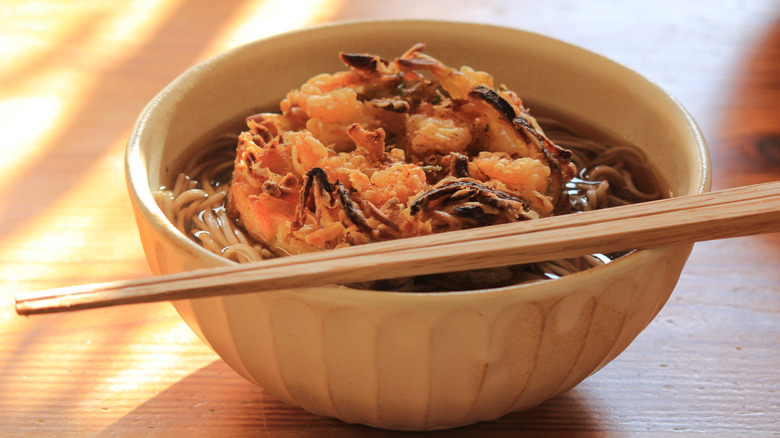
(75,75)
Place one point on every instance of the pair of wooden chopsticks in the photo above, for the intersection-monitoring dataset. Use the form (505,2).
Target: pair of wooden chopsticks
(721,214)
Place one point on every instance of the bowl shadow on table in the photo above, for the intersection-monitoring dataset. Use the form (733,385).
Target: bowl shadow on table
(214,400)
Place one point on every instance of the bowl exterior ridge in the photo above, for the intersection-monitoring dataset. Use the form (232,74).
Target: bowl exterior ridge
(428,366)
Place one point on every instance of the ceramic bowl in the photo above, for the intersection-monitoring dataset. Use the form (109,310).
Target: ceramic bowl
(418,361)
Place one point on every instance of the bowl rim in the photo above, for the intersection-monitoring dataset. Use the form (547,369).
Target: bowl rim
(141,193)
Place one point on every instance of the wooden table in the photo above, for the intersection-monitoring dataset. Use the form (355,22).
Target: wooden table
(75,74)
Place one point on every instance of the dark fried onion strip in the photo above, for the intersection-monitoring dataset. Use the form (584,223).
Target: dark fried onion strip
(468,198)
(316,184)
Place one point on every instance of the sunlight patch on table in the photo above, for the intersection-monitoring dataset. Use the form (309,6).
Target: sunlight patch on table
(68,240)
(50,67)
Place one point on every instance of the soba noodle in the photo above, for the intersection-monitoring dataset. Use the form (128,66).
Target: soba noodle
(610,175)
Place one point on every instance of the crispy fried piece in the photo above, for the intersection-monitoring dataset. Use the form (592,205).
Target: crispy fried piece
(391,149)
(471,200)
(557,158)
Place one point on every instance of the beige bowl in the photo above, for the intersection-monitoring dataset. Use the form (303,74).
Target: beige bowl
(407,360)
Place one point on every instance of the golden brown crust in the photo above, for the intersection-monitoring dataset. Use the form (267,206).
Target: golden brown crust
(382,151)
